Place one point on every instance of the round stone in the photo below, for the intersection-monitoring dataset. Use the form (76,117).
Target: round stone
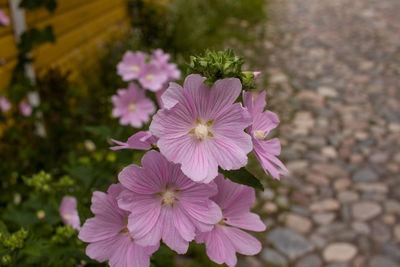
(366,210)
(339,252)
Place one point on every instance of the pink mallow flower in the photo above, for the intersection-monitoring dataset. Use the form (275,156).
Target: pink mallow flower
(161,59)
(165,204)
(153,77)
(132,65)
(263,122)
(108,235)
(4,20)
(25,108)
(5,105)
(225,239)
(200,127)
(69,213)
(132,106)
(142,140)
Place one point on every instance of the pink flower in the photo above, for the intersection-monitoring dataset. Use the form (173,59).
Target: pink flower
(165,204)
(201,128)
(263,123)
(25,108)
(132,106)
(5,105)
(153,77)
(131,66)
(108,236)
(161,59)
(4,20)
(69,213)
(225,239)
(142,140)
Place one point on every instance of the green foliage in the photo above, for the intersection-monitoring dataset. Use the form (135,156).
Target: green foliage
(34,37)
(187,27)
(242,176)
(50,5)
(219,65)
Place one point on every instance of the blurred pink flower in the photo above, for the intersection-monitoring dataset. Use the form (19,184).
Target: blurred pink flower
(161,59)
(225,239)
(4,20)
(142,140)
(69,213)
(263,123)
(132,106)
(165,204)
(108,235)
(25,108)
(5,105)
(132,65)
(200,127)
(153,77)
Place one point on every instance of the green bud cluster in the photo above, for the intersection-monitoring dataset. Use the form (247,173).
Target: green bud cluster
(40,181)
(15,240)
(6,260)
(65,181)
(219,65)
(63,233)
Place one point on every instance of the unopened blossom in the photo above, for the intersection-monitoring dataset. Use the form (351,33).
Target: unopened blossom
(266,151)
(142,140)
(4,20)
(69,213)
(5,105)
(165,204)
(200,127)
(226,239)
(108,235)
(132,106)
(153,77)
(25,108)
(256,74)
(132,65)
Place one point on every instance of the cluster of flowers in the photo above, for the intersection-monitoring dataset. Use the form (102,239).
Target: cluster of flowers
(151,72)
(177,195)
(24,106)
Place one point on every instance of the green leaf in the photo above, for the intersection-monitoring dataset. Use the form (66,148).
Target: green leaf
(242,176)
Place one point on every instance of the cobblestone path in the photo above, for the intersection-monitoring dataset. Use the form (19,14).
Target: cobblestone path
(334,75)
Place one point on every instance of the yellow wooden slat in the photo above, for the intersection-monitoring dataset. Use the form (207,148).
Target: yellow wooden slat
(88,53)
(49,53)
(63,6)
(78,16)
(8,47)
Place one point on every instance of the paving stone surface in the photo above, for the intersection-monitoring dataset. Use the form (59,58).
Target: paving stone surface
(333,74)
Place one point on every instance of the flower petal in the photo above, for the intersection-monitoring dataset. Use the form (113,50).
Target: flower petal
(242,241)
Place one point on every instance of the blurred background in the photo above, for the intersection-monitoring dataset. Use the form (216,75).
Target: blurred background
(331,70)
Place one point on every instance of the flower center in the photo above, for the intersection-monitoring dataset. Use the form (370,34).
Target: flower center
(169,197)
(149,77)
(135,68)
(201,131)
(259,134)
(132,107)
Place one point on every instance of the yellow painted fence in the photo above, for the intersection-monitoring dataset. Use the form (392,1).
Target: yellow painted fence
(79,25)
